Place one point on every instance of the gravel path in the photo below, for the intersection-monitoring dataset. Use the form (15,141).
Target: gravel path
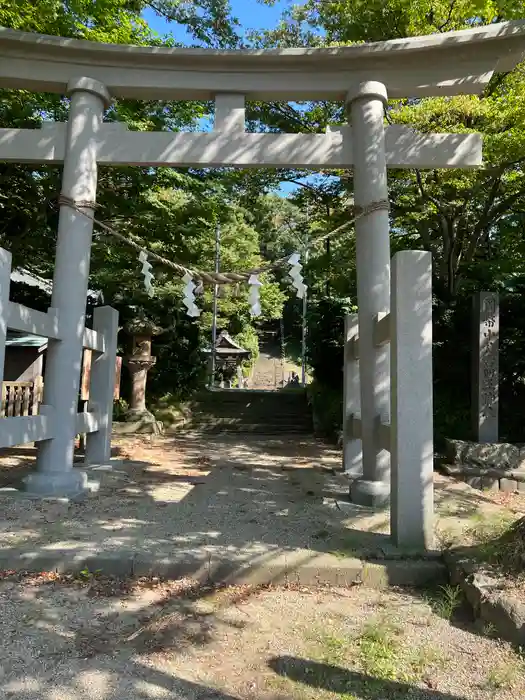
(236,499)
(108,641)
(189,496)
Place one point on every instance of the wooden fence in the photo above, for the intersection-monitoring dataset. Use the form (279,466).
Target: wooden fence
(21,398)
(24,398)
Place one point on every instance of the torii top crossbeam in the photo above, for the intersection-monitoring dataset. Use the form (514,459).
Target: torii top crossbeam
(439,64)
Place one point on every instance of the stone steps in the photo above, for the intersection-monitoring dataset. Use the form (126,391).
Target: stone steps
(261,412)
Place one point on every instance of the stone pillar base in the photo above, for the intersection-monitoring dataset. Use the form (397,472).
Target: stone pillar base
(370,493)
(70,484)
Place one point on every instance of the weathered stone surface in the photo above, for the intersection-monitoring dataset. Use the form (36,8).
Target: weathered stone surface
(461,470)
(489,602)
(521,461)
(454,450)
(507,614)
(485,356)
(474,481)
(489,483)
(488,455)
(508,485)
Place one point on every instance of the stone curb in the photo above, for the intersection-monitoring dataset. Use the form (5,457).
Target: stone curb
(489,602)
(302,567)
(460,469)
(509,480)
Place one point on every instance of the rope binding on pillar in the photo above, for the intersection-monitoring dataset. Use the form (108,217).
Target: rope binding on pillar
(380,205)
(63,200)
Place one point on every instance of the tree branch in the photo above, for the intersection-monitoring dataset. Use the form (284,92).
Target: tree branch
(447,21)
(425,195)
(303,184)
(291,114)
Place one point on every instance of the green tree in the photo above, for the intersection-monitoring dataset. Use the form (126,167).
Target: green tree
(172,212)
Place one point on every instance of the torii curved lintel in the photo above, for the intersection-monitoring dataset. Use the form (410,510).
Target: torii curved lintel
(438,64)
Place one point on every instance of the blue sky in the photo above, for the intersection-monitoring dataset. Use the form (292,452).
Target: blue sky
(251,15)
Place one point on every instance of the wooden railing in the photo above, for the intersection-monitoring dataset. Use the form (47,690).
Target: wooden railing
(21,398)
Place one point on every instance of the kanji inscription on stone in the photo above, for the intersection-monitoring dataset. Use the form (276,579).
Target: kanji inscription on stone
(485,360)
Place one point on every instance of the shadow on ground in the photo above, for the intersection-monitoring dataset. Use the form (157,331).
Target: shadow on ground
(212,506)
(335,679)
(79,640)
(216,505)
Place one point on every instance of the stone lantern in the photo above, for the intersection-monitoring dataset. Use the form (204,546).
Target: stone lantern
(141,329)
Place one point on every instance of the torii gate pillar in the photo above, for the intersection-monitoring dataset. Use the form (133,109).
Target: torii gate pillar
(55,472)
(366,111)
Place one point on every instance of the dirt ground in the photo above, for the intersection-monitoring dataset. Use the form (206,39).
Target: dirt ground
(108,640)
(93,636)
(191,505)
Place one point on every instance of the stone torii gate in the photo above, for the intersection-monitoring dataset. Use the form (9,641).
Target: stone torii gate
(364,77)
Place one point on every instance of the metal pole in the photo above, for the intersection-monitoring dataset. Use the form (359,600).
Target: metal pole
(305,303)
(283,349)
(215,297)
(304,331)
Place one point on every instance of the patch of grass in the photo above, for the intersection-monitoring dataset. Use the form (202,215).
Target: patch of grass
(377,662)
(445,600)
(87,575)
(380,651)
(504,676)
(500,543)
(318,680)
(487,528)
(424,659)
(333,648)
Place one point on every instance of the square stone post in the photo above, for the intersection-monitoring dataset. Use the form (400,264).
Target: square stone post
(485,367)
(411,430)
(352,450)
(55,474)
(102,386)
(5,284)
(373,283)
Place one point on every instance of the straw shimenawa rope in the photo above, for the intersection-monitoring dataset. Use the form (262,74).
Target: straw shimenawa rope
(212,278)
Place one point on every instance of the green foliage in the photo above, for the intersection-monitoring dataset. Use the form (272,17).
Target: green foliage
(445,600)
(472,221)
(249,339)
(325,340)
(174,213)
(327,409)
(120,407)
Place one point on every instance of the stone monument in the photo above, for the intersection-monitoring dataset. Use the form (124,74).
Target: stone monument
(485,367)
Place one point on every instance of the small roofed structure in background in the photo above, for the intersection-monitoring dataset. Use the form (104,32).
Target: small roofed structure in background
(229,356)
(24,357)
